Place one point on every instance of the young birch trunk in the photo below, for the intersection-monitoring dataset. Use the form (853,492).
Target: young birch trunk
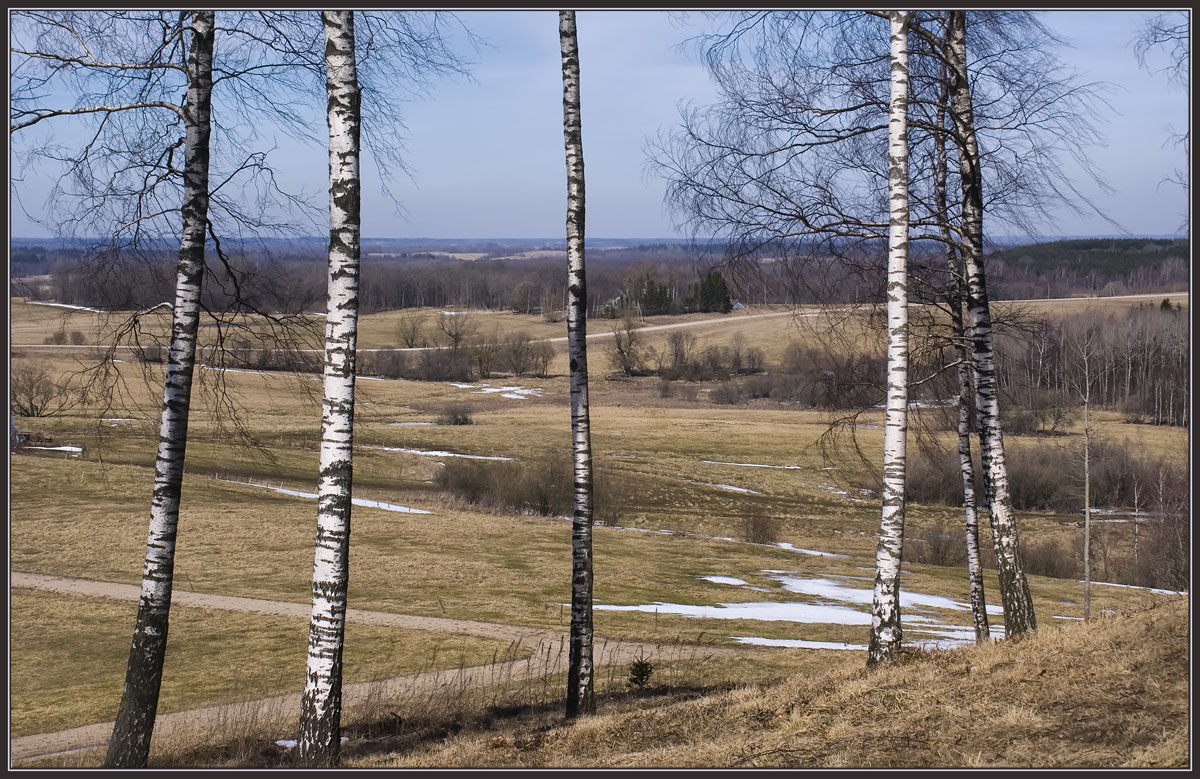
(965,386)
(885,606)
(321,705)
(1087,513)
(1085,351)
(129,745)
(967,472)
(580,688)
(1014,589)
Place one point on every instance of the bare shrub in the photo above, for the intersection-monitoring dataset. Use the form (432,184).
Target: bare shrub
(77,337)
(57,337)
(936,545)
(456,414)
(759,527)
(410,329)
(485,354)
(626,351)
(443,365)
(665,388)
(389,363)
(456,328)
(728,393)
(516,352)
(541,486)
(1053,557)
(543,355)
(757,386)
(933,478)
(1038,478)
(33,393)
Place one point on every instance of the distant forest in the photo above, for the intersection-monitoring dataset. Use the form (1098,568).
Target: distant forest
(658,277)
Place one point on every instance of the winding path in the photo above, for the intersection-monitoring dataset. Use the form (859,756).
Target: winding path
(193,728)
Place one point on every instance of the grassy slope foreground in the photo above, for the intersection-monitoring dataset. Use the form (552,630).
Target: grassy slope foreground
(1106,694)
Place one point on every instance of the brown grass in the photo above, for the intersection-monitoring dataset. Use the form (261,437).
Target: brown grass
(1113,693)
(71,653)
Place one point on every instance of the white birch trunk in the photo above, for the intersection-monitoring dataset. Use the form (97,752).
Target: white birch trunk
(885,606)
(580,685)
(1014,589)
(129,745)
(1085,352)
(321,705)
(966,463)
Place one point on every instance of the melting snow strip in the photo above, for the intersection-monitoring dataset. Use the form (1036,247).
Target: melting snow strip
(724,580)
(75,449)
(732,488)
(1135,587)
(365,503)
(63,305)
(797,643)
(790,548)
(437,453)
(753,465)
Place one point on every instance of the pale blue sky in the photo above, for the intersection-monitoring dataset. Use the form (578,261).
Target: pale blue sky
(487,155)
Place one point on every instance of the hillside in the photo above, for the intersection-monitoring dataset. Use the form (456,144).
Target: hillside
(1113,693)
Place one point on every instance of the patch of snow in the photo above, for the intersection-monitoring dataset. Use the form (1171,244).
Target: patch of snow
(725,580)
(732,488)
(235,370)
(1060,616)
(797,643)
(752,465)
(1135,587)
(411,424)
(118,419)
(63,305)
(75,449)
(291,743)
(437,453)
(365,503)
(790,548)
(766,611)
(827,588)
(514,392)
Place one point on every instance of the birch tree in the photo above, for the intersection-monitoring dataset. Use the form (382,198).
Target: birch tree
(885,604)
(1019,617)
(129,744)
(321,704)
(966,385)
(1084,345)
(580,684)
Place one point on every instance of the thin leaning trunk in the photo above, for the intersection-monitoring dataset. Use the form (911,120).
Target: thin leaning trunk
(967,474)
(885,605)
(966,463)
(321,705)
(129,745)
(580,686)
(1014,589)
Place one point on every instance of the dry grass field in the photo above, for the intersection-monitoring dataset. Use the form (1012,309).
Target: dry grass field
(681,477)
(1112,694)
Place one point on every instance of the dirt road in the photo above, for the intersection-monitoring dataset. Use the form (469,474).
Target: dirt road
(279,714)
